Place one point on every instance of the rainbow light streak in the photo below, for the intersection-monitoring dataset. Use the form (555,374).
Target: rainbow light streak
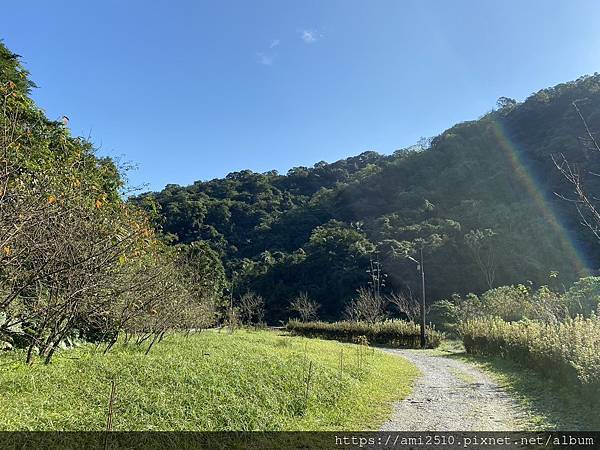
(523,175)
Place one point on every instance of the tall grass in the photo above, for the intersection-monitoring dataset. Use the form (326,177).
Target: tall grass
(568,352)
(208,382)
(391,333)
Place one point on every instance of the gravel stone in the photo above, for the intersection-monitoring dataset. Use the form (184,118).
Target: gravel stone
(452,395)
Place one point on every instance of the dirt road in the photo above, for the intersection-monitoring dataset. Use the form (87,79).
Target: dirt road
(453,395)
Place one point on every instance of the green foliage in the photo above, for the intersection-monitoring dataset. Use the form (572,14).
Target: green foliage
(568,351)
(12,70)
(470,198)
(206,382)
(584,296)
(205,268)
(392,333)
(509,303)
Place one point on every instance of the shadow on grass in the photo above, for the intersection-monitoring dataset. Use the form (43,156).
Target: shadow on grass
(550,405)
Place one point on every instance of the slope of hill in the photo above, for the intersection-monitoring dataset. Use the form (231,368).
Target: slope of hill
(481,199)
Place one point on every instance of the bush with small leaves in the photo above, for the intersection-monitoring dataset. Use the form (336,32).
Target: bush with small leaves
(568,351)
(391,333)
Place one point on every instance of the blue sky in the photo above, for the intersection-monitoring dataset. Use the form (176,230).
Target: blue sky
(192,90)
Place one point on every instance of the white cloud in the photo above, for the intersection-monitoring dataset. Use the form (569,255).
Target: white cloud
(267,58)
(264,59)
(310,36)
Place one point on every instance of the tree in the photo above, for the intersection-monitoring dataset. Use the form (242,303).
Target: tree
(75,259)
(293,230)
(585,202)
(407,304)
(251,309)
(204,268)
(481,246)
(505,102)
(305,307)
(63,228)
(366,306)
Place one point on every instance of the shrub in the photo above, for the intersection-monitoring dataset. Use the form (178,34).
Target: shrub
(251,309)
(584,296)
(568,352)
(367,306)
(444,313)
(305,307)
(512,303)
(392,333)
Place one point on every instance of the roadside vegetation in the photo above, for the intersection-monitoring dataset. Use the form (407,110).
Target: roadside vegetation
(208,381)
(542,345)
(390,333)
(556,334)
(568,352)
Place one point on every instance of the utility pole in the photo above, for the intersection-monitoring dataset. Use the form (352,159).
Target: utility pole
(231,310)
(423,342)
(422,271)
(377,276)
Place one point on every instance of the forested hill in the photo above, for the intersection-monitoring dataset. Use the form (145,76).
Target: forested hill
(480,198)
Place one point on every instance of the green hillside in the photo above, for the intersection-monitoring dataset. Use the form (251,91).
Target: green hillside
(481,196)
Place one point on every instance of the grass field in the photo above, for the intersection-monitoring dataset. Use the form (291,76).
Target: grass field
(208,381)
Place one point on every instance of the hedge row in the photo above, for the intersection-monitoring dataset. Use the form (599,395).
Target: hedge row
(391,333)
(568,352)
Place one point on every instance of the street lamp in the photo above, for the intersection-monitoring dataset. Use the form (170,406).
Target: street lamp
(422,270)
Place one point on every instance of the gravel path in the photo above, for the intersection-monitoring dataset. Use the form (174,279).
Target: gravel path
(453,395)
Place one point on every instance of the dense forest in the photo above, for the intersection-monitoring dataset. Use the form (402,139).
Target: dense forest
(484,200)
